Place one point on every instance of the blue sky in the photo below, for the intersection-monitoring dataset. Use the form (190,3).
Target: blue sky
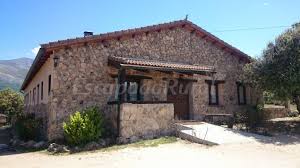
(26,24)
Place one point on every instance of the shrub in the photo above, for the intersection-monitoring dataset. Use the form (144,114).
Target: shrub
(84,127)
(28,127)
(11,103)
(251,118)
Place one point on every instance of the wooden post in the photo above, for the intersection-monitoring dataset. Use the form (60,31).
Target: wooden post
(121,94)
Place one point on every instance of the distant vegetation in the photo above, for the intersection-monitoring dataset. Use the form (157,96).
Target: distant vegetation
(11,103)
(13,72)
(278,70)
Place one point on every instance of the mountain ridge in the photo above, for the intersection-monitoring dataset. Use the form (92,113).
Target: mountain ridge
(13,72)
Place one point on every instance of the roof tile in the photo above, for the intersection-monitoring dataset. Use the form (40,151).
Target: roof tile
(162,64)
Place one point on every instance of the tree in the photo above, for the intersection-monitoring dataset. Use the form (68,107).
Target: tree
(11,103)
(278,70)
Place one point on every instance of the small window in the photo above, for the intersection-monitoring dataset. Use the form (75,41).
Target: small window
(49,84)
(30,98)
(26,99)
(241,91)
(38,94)
(33,96)
(42,90)
(213,93)
(133,90)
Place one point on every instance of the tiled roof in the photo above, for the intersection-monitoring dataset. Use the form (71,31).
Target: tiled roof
(45,49)
(161,64)
(118,34)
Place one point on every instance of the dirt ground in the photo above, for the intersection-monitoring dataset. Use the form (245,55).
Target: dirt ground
(282,151)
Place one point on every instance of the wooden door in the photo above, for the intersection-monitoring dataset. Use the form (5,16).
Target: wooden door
(178,94)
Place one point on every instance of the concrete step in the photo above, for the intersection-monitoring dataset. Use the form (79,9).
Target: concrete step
(210,134)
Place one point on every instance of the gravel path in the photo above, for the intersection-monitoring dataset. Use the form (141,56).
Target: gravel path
(283,151)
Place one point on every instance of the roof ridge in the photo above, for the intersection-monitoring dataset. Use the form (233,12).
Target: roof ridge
(130,30)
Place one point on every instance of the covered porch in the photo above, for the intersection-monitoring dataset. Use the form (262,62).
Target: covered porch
(151,95)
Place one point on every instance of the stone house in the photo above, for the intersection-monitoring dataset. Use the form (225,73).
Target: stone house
(143,79)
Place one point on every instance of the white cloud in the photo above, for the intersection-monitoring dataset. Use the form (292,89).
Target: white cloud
(35,50)
(266,4)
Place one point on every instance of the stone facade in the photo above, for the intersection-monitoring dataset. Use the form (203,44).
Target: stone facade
(139,121)
(83,71)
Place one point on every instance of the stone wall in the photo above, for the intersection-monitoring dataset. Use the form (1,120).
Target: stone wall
(82,71)
(140,121)
(273,112)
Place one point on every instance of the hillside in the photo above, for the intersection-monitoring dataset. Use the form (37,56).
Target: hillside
(13,72)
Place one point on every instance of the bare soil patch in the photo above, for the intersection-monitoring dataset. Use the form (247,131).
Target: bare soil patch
(282,151)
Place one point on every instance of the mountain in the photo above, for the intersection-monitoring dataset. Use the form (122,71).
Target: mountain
(13,72)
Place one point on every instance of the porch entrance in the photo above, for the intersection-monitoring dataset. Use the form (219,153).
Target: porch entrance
(178,94)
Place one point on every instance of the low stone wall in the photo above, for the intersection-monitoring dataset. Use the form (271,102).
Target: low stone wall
(144,121)
(274,112)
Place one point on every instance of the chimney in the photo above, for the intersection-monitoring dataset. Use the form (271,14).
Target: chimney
(87,33)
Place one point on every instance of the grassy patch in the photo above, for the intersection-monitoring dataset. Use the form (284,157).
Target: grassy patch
(140,144)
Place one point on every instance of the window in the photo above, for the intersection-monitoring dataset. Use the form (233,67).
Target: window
(42,90)
(213,94)
(49,84)
(241,91)
(213,91)
(26,99)
(30,97)
(33,96)
(38,94)
(133,90)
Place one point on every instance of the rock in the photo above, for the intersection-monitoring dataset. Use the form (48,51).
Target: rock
(29,144)
(15,142)
(4,147)
(40,144)
(109,141)
(56,148)
(91,146)
(133,139)
(22,144)
(102,142)
(75,149)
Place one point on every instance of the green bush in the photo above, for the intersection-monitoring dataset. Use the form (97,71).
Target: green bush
(28,127)
(251,117)
(84,127)
(11,103)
